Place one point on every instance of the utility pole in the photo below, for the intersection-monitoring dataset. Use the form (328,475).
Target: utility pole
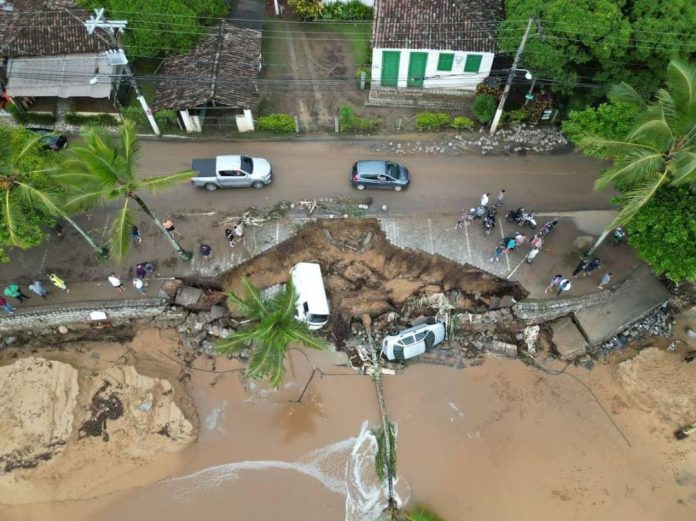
(111,27)
(508,84)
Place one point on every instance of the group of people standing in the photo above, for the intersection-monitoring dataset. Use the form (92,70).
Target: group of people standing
(14,291)
(142,271)
(467,217)
(586,267)
(233,236)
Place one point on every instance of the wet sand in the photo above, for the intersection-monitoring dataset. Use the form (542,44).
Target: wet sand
(495,442)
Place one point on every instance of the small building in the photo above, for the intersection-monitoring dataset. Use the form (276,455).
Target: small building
(216,83)
(445,45)
(48,56)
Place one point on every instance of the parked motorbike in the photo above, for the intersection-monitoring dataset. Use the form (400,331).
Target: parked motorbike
(619,236)
(514,216)
(489,221)
(546,229)
(521,217)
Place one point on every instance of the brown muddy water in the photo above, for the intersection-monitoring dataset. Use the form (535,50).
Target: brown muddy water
(498,441)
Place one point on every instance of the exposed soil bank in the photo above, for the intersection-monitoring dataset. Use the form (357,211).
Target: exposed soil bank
(365,274)
(75,421)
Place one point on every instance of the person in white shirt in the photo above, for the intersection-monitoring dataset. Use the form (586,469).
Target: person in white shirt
(116,282)
(484,199)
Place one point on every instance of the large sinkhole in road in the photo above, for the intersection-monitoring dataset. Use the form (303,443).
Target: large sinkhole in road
(365,275)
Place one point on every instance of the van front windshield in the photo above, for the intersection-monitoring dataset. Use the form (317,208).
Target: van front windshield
(317,319)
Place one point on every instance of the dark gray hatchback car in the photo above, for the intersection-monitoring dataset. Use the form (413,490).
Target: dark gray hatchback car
(380,174)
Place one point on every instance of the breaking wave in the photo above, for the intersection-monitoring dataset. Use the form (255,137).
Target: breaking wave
(346,467)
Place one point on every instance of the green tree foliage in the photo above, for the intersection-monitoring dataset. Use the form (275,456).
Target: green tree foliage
(659,150)
(432,120)
(29,201)
(351,10)
(161,27)
(601,41)
(103,168)
(608,121)
(484,108)
(273,327)
(420,513)
(307,9)
(663,232)
(280,123)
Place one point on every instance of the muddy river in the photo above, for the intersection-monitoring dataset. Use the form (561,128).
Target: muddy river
(498,441)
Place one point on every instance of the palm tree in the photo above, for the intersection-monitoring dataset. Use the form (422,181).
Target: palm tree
(273,328)
(26,191)
(102,169)
(659,150)
(421,513)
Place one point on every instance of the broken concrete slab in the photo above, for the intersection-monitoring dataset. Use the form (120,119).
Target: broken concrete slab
(169,288)
(188,296)
(631,299)
(567,338)
(502,348)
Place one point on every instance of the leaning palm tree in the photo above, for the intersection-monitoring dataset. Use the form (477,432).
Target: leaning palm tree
(104,169)
(273,327)
(659,150)
(26,192)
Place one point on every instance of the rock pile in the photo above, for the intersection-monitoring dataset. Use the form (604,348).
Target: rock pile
(519,139)
(657,323)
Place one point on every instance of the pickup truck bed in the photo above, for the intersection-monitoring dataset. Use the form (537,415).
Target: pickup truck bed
(204,167)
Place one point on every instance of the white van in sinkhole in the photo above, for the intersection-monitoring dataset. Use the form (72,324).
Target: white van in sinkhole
(312,305)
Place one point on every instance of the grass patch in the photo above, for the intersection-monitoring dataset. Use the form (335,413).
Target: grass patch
(358,34)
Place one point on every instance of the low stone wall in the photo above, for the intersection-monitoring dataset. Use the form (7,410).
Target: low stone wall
(66,314)
(534,310)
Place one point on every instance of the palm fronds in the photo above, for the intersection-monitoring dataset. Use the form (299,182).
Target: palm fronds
(273,328)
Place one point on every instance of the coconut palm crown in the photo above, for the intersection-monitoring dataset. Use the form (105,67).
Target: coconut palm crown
(273,327)
(104,168)
(660,149)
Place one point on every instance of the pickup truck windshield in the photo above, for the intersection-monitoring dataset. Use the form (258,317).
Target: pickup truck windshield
(247,165)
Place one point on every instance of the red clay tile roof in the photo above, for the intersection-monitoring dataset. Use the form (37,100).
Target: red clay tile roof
(49,33)
(454,25)
(223,69)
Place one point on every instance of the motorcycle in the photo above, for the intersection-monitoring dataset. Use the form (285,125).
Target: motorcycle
(528,220)
(619,236)
(521,217)
(489,221)
(514,215)
(546,229)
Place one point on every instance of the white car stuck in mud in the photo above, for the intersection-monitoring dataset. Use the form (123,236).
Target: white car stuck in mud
(413,341)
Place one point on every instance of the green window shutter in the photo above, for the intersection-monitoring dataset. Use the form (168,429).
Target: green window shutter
(445,61)
(473,62)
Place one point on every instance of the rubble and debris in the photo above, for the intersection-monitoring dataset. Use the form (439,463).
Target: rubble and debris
(658,323)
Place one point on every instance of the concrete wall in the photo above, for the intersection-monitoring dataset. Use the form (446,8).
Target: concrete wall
(66,314)
(543,310)
(454,79)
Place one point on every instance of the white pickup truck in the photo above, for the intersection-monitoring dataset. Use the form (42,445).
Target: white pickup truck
(231,172)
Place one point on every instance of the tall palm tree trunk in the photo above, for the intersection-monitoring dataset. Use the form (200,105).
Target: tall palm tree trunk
(605,233)
(386,425)
(184,254)
(102,251)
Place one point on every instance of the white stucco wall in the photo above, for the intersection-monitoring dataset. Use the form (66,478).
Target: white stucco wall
(454,79)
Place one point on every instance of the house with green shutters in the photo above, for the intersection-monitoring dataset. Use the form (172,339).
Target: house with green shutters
(438,45)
